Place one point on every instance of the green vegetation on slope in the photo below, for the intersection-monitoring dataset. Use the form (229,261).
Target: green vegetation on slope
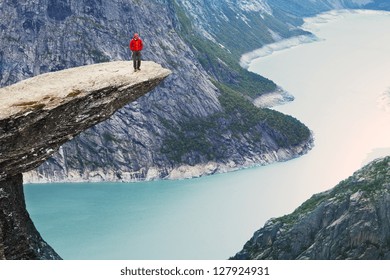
(370,181)
(191,143)
(238,130)
(222,63)
(293,131)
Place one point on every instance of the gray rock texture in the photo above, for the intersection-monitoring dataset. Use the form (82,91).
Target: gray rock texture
(19,239)
(350,221)
(40,114)
(42,36)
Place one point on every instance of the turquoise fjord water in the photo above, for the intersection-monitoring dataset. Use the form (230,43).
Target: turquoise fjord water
(341,84)
(185,219)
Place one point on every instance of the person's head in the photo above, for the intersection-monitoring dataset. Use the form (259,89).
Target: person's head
(136,36)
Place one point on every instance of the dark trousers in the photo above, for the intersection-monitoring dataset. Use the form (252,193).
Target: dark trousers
(137,59)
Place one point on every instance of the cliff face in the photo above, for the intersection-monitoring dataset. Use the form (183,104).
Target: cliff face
(37,116)
(46,35)
(19,239)
(350,221)
(40,114)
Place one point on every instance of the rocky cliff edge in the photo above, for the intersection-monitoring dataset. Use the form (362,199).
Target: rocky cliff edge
(37,116)
(350,221)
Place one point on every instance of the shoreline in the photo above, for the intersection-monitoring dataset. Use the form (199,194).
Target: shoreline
(182,172)
(284,44)
(272,99)
(287,43)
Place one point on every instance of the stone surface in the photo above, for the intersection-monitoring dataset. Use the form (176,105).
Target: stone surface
(38,115)
(19,238)
(350,221)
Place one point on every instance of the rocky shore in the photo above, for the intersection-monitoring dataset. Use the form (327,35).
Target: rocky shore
(184,171)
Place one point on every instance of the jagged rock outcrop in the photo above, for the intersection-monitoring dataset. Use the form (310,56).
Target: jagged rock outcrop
(350,221)
(40,114)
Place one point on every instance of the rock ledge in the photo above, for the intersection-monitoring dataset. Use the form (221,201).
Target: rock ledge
(40,114)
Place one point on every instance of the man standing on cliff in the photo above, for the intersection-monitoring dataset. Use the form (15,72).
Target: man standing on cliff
(136,46)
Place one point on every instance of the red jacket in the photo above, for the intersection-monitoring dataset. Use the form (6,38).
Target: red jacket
(136,45)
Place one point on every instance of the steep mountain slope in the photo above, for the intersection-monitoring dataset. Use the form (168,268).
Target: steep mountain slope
(239,26)
(219,32)
(136,143)
(350,221)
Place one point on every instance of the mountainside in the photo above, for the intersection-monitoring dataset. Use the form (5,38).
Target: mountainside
(350,221)
(238,26)
(49,35)
(188,126)
(219,32)
(44,36)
